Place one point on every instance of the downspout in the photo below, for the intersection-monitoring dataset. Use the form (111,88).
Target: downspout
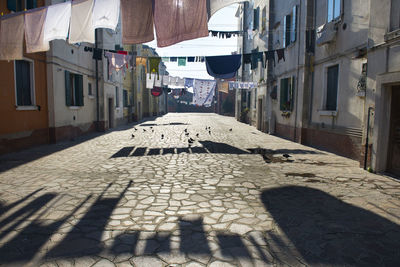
(366,138)
(312,73)
(297,78)
(97,85)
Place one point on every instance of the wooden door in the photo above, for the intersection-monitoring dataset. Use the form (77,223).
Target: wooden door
(394,140)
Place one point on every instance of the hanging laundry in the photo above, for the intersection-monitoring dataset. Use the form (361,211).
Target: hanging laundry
(181,61)
(190,59)
(199,59)
(255,58)
(157,91)
(81,28)
(281,54)
(216,5)
(154,64)
(179,20)
(137,21)
(165,80)
(57,21)
(106,14)
(269,56)
(141,61)
(203,92)
(165,59)
(117,62)
(34,30)
(150,80)
(157,80)
(97,53)
(223,86)
(246,58)
(176,82)
(223,67)
(189,82)
(173,59)
(12,37)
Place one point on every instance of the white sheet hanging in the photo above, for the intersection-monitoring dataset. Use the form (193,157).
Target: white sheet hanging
(106,14)
(57,21)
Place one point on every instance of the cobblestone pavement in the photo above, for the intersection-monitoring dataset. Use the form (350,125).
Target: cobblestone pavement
(231,199)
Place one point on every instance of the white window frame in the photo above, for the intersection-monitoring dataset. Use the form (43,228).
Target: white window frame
(33,91)
(337,18)
(323,111)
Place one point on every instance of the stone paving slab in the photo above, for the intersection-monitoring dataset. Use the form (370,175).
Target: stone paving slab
(144,196)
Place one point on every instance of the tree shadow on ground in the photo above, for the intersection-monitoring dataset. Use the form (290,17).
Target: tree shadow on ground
(327,231)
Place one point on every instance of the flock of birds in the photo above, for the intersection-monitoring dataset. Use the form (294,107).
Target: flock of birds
(187,134)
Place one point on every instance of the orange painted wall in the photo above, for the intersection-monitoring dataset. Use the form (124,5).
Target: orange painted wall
(12,120)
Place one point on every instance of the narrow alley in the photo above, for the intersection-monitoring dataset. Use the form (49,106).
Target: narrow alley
(193,190)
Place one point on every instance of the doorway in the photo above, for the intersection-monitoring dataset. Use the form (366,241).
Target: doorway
(110,112)
(394,137)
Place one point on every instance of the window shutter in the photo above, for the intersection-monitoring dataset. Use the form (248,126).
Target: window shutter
(284,33)
(256,19)
(288,20)
(283,94)
(12,5)
(79,90)
(294,25)
(30,4)
(68,93)
(291,93)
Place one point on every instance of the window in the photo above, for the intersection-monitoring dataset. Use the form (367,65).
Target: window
(24,84)
(332,88)
(73,89)
(90,91)
(256,19)
(290,28)
(286,94)
(21,5)
(116,97)
(395,15)
(126,103)
(334,9)
(264,21)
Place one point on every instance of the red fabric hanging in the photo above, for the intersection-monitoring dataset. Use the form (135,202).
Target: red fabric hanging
(156,91)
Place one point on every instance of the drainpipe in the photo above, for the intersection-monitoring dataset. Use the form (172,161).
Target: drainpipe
(97,85)
(298,15)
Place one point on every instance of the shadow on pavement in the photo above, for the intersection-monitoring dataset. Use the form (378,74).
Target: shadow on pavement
(328,231)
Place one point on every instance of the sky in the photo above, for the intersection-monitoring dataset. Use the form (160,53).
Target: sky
(222,20)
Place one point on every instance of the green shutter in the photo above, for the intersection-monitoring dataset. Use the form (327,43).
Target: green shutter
(79,90)
(12,5)
(284,94)
(294,25)
(68,93)
(256,18)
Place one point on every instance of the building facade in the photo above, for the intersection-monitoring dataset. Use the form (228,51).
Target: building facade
(338,78)
(23,90)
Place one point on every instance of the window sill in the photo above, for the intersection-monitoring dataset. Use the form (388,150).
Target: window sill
(27,108)
(74,107)
(332,113)
(392,35)
(91,96)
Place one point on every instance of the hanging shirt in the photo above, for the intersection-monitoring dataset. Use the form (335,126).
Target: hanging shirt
(181,61)
(281,54)
(81,28)
(106,14)
(179,20)
(154,64)
(141,61)
(34,31)
(57,21)
(150,79)
(269,56)
(203,92)
(189,82)
(246,58)
(223,87)
(12,37)
(117,62)
(223,67)
(137,21)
